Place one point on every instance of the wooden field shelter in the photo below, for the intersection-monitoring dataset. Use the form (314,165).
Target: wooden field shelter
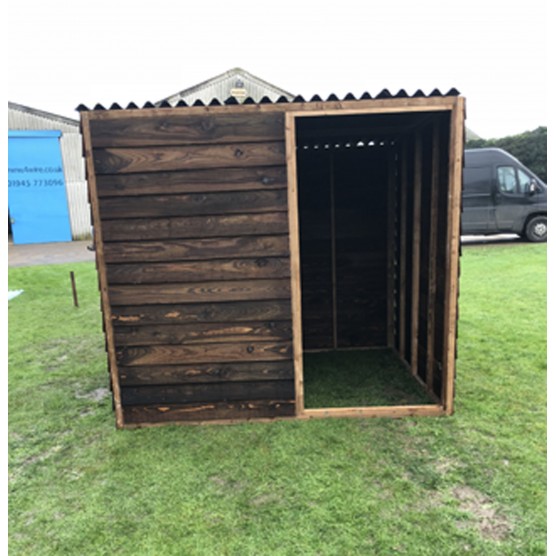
(234,239)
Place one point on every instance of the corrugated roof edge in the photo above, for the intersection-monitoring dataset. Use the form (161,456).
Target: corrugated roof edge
(385,93)
(41,113)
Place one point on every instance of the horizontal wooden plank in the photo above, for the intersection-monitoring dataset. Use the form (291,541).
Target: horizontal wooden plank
(194,204)
(222,269)
(203,373)
(192,181)
(174,250)
(134,229)
(393,411)
(163,159)
(204,353)
(198,333)
(215,392)
(183,129)
(201,312)
(243,411)
(199,292)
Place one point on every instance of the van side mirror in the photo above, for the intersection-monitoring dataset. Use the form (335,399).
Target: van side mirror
(533,187)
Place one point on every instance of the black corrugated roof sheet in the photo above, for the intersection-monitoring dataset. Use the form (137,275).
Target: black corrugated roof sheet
(385,93)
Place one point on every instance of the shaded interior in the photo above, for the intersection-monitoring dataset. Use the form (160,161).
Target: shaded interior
(373,237)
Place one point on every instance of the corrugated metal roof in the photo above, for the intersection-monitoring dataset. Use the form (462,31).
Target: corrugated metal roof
(384,94)
(22,117)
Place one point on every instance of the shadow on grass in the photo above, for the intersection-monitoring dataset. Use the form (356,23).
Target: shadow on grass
(359,378)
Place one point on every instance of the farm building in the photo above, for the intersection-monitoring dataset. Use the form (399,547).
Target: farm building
(287,259)
(47,190)
(235,83)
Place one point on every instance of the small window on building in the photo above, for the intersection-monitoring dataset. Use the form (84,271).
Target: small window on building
(507,180)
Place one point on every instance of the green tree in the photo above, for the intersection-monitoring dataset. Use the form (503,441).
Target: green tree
(528,147)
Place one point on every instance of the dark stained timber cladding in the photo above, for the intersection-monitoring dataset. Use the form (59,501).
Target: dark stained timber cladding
(199,292)
(425,265)
(212,392)
(187,334)
(193,181)
(175,313)
(205,373)
(196,249)
(441,260)
(223,269)
(195,226)
(182,129)
(204,353)
(163,159)
(210,411)
(161,206)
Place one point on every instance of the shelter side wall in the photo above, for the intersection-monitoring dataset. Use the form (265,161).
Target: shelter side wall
(423,216)
(194,220)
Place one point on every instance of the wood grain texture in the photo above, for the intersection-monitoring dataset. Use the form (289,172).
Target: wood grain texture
(175,313)
(195,226)
(174,250)
(199,292)
(199,333)
(162,159)
(101,268)
(183,129)
(211,411)
(451,288)
(393,411)
(204,353)
(222,269)
(195,204)
(205,373)
(192,181)
(295,264)
(213,392)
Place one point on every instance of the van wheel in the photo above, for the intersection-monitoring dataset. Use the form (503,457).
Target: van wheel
(535,229)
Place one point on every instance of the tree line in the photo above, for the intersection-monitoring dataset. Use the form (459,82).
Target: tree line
(528,147)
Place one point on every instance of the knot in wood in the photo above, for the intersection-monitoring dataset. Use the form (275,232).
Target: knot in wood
(261,262)
(267,180)
(238,153)
(250,349)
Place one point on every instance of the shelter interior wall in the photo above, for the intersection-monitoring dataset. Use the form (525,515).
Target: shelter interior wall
(345,212)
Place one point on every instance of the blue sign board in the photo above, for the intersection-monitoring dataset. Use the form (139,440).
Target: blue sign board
(37,199)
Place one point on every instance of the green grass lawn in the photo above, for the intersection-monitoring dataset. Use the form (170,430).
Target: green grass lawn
(359,378)
(474,483)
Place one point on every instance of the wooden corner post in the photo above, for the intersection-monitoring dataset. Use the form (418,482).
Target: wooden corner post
(101,267)
(455,170)
(295,263)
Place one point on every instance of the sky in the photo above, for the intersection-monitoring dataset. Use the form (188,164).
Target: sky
(63,53)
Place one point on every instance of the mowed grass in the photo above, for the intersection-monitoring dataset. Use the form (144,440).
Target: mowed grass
(474,483)
(359,378)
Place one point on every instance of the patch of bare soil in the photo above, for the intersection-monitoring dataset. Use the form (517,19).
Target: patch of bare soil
(484,517)
(96,395)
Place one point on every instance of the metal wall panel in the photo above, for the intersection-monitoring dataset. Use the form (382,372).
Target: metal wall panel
(24,119)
